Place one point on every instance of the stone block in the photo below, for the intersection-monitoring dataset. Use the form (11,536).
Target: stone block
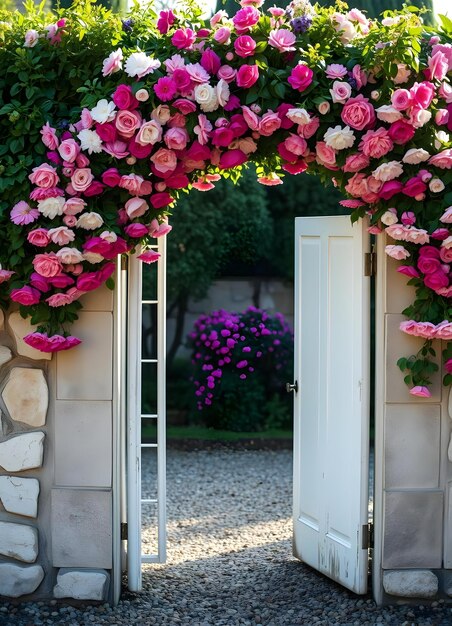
(411,583)
(83,447)
(22,452)
(400,344)
(26,396)
(5,355)
(81,531)
(413,529)
(86,372)
(19,580)
(82,584)
(19,328)
(19,495)
(19,541)
(412,446)
(101,299)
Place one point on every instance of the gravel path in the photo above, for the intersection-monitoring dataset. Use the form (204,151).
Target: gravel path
(230,563)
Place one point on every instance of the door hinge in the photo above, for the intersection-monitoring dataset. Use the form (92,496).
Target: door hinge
(124,262)
(370,264)
(124,531)
(367,536)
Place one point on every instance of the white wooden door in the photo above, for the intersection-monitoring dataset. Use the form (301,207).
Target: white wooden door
(331,414)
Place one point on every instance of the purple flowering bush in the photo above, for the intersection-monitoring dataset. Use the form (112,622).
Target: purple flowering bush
(241,362)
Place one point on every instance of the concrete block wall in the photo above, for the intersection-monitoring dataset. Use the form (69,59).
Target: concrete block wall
(56,471)
(413,472)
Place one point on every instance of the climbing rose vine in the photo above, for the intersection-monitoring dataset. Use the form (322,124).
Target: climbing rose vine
(182,102)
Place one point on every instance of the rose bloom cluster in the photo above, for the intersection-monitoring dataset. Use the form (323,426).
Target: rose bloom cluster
(179,122)
(237,345)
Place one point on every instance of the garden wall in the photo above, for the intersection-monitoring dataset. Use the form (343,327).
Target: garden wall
(56,471)
(413,460)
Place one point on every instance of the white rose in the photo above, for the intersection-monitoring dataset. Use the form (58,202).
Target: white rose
(69,256)
(142,95)
(388,171)
(139,64)
(414,156)
(390,21)
(90,141)
(388,113)
(339,138)
(92,257)
(403,74)
(299,116)
(89,221)
(31,38)
(436,185)
(389,218)
(109,236)
(223,92)
(51,207)
(104,111)
(206,97)
(441,138)
(161,114)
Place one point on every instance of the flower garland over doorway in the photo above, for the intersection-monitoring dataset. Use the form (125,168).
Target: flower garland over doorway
(178,103)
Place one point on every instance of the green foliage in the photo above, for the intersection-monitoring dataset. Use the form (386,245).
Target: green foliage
(419,366)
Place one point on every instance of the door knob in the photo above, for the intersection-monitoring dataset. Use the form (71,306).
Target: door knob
(292,387)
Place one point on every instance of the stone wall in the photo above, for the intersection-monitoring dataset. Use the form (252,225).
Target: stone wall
(413,469)
(56,460)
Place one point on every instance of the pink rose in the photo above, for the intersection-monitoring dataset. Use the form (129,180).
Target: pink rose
(25,295)
(124,99)
(420,391)
(39,282)
(47,264)
(376,143)
(438,66)
(245,19)
(107,132)
(358,113)
(113,63)
(127,122)
(136,207)
(183,38)
(443,159)
(74,206)
(164,160)
(61,235)
(232,158)
(397,252)
(176,138)
(81,179)
(295,145)
(131,182)
(244,46)
(184,106)
(444,331)
(38,237)
(222,35)
(356,162)
(150,256)
(408,270)
(247,76)
(69,150)
(325,154)
(269,123)
(446,49)
(165,21)
(117,149)
(58,299)
(301,77)
(111,177)
(401,99)
(49,138)
(136,231)
(422,94)
(340,92)
(445,254)
(309,130)
(44,176)
(282,39)
(401,132)
(426,330)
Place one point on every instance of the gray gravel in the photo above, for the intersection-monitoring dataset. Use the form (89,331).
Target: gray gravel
(229,562)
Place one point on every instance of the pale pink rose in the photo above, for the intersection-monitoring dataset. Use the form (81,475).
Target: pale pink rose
(82,178)
(389,217)
(376,143)
(403,74)
(61,235)
(150,133)
(39,237)
(414,156)
(356,162)
(419,117)
(269,123)
(447,243)
(397,232)
(323,107)
(401,99)
(309,130)
(113,63)
(161,114)
(443,159)
(388,171)
(397,252)
(69,256)
(136,207)
(417,235)
(49,138)
(340,92)
(44,176)
(325,154)
(251,118)
(438,66)
(387,113)
(218,17)
(445,92)
(282,39)
(335,70)
(127,122)
(197,73)
(222,35)
(420,391)
(436,185)
(70,220)
(131,182)
(47,264)
(73,206)
(202,130)
(69,150)
(441,117)
(86,119)
(446,217)
(164,160)
(227,73)
(142,95)
(31,38)
(444,331)
(223,92)
(446,49)
(360,76)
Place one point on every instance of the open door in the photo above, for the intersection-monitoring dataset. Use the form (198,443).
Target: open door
(331,409)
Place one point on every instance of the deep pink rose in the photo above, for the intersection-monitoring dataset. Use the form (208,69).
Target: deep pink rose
(422,94)
(414,187)
(47,264)
(298,167)
(165,21)
(401,132)
(107,132)
(408,270)
(232,158)
(150,256)
(97,245)
(25,295)
(160,200)
(390,189)
(136,230)
(139,151)
(95,189)
(436,280)
(358,113)
(222,137)
(244,46)
(301,77)
(183,38)
(428,265)
(124,99)
(111,177)
(39,282)
(286,153)
(282,110)
(247,76)
(55,343)
(245,19)
(210,61)
(238,125)
(89,281)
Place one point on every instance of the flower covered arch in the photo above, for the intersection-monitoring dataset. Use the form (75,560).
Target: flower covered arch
(366,103)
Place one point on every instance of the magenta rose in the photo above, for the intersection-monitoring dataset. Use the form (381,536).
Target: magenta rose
(107,132)
(136,230)
(414,187)
(97,245)
(244,46)
(436,280)
(247,76)
(232,158)
(282,111)
(210,61)
(89,281)
(124,99)
(111,177)
(139,151)
(245,19)
(301,77)
(55,343)
(177,181)
(428,265)
(183,38)
(25,295)
(358,113)
(95,189)
(165,21)
(390,189)
(61,281)
(429,251)
(401,131)
(39,282)
(160,200)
